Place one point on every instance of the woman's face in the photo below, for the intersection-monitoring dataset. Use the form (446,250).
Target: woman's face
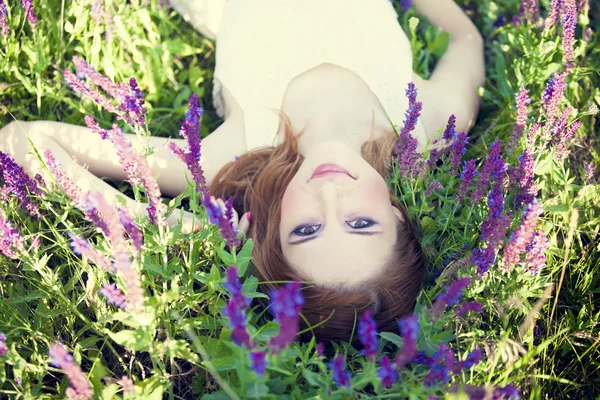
(337,228)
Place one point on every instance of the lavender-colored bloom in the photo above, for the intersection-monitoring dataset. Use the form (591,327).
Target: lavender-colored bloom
(406,5)
(466,178)
(529,10)
(589,172)
(492,171)
(523,177)
(473,358)
(522,236)
(470,306)
(450,297)
(82,247)
(569,23)
(3,16)
(30,11)
(484,258)
(555,8)
(80,388)
(387,372)
(535,258)
(450,130)
(493,229)
(10,238)
(522,100)
(457,151)
(435,185)
(132,105)
(258,362)
(320,349)
(285,305)
(237,322)
(506,392)
(20,184)
(190,130)
(127,384)
(421,358)
(66,184)
(133,231)
(434,156)
(113,295)
(553,93)
(217,217)
(500,21)
(340,377)
(234,287)
(367,333)
(409,327)
(86,90)
(3,345)
(442,364)
(406,147)
(561,139)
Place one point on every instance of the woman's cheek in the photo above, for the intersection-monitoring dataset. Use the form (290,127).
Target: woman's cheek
(378,192)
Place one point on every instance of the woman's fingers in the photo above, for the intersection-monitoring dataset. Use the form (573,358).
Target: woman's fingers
(244,224)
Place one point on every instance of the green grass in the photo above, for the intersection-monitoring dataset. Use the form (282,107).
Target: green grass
(51,294)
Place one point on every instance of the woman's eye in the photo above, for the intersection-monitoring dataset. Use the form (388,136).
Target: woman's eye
(306,230)
(362,223)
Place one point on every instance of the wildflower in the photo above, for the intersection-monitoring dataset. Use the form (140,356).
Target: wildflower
(3,346)
(493,170)
(562,139)
(529,10)
(234,287)
(127,385)
(435,185)
(257,359)
(442,364)
(522,177)
(522,236)
(286,304)
(466,307)
(82,247)
(113,295)
(340,377)
(522,101)
(80,388)
(30,11)
(473,358)
(450,130)
(386,372)
(133,283)
(406,5)
(234,310)
(589,172)
(132,104)
(20,184)
(421,358)
(406,146)
(3,16)
(409,327)
(134,233)
(450,297)
(367,332)
(457,151)
(569,23)
(66,184)
(434,156)
(10,238)
(466,178)
(500,21)
(493,229)
(506,392)
(320,349)
(553,93)
(555,8)
(135,166)
(535,258)
(190,130)
(217,217)
(484,258)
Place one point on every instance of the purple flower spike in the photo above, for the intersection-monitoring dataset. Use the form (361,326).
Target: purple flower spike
(234,287)
(522,100)
(473,358)
(3,345)
(28,6)
(285,305)
(450,131)
(530,10)
(406,147)
(492,171)
(216,216)
(238,322)
(10,238)
(80,388)
(569,23)
(435,185)
(409,327)
(258,362)
(522,236)
(553,94)
(113,295)
(406,5)
(66,184)
(132,105)
(466,307)
(387,372)
(466,178)
(450,297)
(457,151)
(3,15)
(133,231)
(340,377)
(506,392)
(367,333)
(442,364)
(82,247)
(190,130)
(535,258)
(555,8)
(20,184)
(561,140)
(589,172)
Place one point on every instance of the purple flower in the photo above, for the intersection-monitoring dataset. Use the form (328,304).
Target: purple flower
(506,392)
(257,360)
(522,236)
(529,10)
(522,178)
(553,93)
(569,23)
(561,139)
(387,372)
(522,100)
(237,322)
(217,217)
(450,130)
(589,172)
(82,247)
(3,15)
(493,229)
(442,364)
(66,184)
(435,185)
(484,258)
(190,130)
(340,377)
(132,105)
(367,332)
(555,8)
(127,384)
(406,5)
(20,184)
(457,151)
(86,90)
(450,297)
(535,258)
(80,388)
(473,358)
(500,21)
(320,349)
(10,238)
(285,305)
(3,345)
(113,295)
(28,6)
(466,307)
(234,287)
(492,171)
(133,231)
(466,178)
(406,147)
(409,327)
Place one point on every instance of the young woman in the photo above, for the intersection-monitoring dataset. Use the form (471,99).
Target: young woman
(325,79)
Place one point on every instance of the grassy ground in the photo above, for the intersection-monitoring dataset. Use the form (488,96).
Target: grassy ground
(50,294)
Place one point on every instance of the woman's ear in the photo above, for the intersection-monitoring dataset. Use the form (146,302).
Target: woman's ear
(398,214)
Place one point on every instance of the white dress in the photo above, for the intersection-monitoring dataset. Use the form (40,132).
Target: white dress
(263,44)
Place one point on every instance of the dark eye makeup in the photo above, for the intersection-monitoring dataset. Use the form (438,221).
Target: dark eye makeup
(311,229)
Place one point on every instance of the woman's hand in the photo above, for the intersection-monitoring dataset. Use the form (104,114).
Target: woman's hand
(240,224)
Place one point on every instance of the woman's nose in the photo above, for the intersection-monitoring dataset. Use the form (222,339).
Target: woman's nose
(330,193)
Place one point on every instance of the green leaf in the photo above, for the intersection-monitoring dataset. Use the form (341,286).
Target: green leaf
(133,340)
(220,395)
(312,378)
(392,338)
(257,390)
(243,257)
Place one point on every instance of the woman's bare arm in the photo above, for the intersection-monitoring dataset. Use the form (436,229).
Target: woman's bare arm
(452,88)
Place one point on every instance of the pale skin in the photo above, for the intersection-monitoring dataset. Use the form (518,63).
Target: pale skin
(335,127)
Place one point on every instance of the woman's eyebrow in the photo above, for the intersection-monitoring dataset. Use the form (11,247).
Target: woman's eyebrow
(350,233)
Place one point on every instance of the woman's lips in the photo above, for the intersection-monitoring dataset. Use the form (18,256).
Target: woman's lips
(328,169)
